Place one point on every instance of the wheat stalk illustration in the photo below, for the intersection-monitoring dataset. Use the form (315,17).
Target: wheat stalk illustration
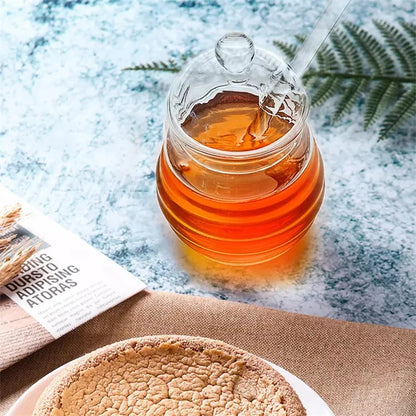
(13,254)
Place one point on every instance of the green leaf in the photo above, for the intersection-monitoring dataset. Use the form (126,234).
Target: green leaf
(310,81)
(351,95)
(326,90)
(326,59)
(300,38)
(171,66)
(403,50)
(347,52)
(288,49)
(410,28)
(381,95)
(376,55)
(403,110)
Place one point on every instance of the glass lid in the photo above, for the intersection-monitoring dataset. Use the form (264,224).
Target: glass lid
(235,65)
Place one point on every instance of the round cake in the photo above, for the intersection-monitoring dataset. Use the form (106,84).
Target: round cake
(169,375)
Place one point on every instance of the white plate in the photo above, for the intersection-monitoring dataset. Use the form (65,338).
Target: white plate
(314,405)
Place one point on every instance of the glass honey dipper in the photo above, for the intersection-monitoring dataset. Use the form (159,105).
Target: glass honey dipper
(274,93)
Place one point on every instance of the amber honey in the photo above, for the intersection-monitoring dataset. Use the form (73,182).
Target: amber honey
(225,122)
(239,212)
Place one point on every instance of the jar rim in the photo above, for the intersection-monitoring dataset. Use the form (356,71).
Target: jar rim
(264,151)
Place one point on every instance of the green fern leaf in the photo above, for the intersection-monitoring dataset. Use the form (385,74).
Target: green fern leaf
(381,96)
(347,52)
(377,57)
(171,66)
(310,81)
(326,90)
(400,46)
(351,95)
(326,59)
(300,38)
(288,49)
(403,110)
(410,28)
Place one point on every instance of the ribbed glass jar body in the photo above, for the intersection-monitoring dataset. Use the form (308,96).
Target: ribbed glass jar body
(240,207)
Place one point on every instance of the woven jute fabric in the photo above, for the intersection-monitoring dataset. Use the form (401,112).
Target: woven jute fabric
(358,369)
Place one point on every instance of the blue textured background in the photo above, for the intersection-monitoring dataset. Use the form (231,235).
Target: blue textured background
(79,140)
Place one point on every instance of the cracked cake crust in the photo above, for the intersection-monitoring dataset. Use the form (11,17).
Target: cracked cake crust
(169,375)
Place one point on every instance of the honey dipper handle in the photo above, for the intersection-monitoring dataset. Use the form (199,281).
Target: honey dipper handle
(316,38)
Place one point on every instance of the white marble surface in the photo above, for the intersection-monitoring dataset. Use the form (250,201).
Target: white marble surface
(79,140)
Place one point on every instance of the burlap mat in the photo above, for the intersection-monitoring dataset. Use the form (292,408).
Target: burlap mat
(357,369)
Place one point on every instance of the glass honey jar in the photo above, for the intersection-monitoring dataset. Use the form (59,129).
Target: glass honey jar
(239,178)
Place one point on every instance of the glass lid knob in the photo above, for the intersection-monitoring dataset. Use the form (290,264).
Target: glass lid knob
(235,52)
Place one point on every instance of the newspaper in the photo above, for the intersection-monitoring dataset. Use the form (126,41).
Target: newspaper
(63,285)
